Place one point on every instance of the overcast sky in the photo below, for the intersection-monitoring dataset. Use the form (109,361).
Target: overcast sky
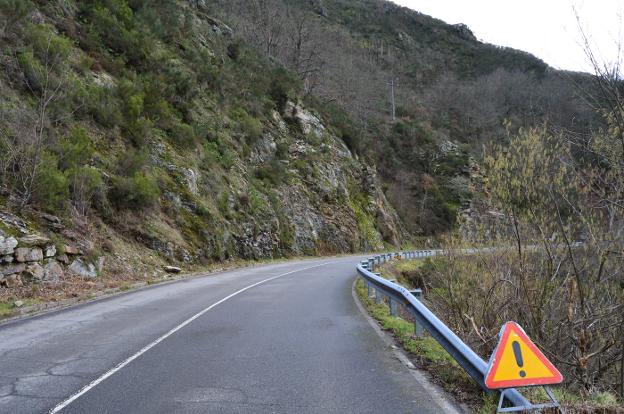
(545,28)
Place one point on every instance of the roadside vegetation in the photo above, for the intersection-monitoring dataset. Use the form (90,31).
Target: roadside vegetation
(550,201)
(469,295)
(425,352)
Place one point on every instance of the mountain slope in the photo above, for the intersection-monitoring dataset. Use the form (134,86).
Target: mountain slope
(451,91)
(146,127)
(204,130)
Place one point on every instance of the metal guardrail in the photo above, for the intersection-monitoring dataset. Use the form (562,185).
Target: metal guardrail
(472,363)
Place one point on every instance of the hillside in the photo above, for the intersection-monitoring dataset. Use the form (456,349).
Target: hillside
(192,132)
(129,136)
(453,94)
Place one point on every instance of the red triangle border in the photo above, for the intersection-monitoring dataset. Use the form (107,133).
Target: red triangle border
(496,358)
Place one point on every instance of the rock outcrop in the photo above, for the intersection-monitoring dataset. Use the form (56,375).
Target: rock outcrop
(83,269)
(7,245)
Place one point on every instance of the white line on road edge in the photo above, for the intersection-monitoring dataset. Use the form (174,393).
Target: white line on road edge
(439,396)
(146,348)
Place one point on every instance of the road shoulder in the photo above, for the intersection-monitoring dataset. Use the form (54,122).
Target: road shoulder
(437,394)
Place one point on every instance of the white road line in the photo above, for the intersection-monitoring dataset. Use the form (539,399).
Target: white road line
(146,348)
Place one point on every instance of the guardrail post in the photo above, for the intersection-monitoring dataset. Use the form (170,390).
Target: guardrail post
(370,290)
(419,330)
(378,296)
(393,307)
(371,264)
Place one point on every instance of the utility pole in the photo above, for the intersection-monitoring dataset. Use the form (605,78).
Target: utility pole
(393,83)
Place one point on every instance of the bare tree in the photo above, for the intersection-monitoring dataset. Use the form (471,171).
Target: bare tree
(24,152)
(304,49)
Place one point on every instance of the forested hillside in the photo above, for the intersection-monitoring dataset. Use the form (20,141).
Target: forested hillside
(137,127)
(199,131)
(454,94)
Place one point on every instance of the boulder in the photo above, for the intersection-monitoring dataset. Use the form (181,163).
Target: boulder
(83,269)
(7,245)
(72,249)
(33,240)
(10,269)
(27,254)
(11,281)
(14,222)
(63,259)
(18,303)
(172,269)
(309,122)
(99,264)
(51,219)
(49,251)
(52,271)
(7,259)
(191,177)
(33,272)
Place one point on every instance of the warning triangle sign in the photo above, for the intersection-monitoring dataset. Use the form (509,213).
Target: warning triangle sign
(516,362)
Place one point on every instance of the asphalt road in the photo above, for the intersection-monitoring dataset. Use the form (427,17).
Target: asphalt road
(295,343)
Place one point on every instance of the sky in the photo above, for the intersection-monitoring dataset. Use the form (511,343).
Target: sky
(545,28)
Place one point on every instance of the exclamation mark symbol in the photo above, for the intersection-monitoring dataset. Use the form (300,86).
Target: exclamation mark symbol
(518,354)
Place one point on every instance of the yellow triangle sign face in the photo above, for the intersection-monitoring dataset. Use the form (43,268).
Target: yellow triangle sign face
(516,362)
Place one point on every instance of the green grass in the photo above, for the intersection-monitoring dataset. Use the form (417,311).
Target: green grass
(426,351)
(6,309)
(398,269)
(408,265)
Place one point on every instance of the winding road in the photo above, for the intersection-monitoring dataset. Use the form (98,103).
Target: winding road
(279,338)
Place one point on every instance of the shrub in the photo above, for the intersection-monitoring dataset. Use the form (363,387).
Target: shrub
(283,87)
(112,22)
(131,161)
(48,46)
(134,106)
(217,154)
(140,191)
(272,173)
(184,135)
(212,155)
(33,70)
(233,50)
(51,187)
(155,104)
(86,186)
(75,149)
(248,125)
(13,11)
(138,131)
(101,104)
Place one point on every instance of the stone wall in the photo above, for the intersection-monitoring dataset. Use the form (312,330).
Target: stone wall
(33,258)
